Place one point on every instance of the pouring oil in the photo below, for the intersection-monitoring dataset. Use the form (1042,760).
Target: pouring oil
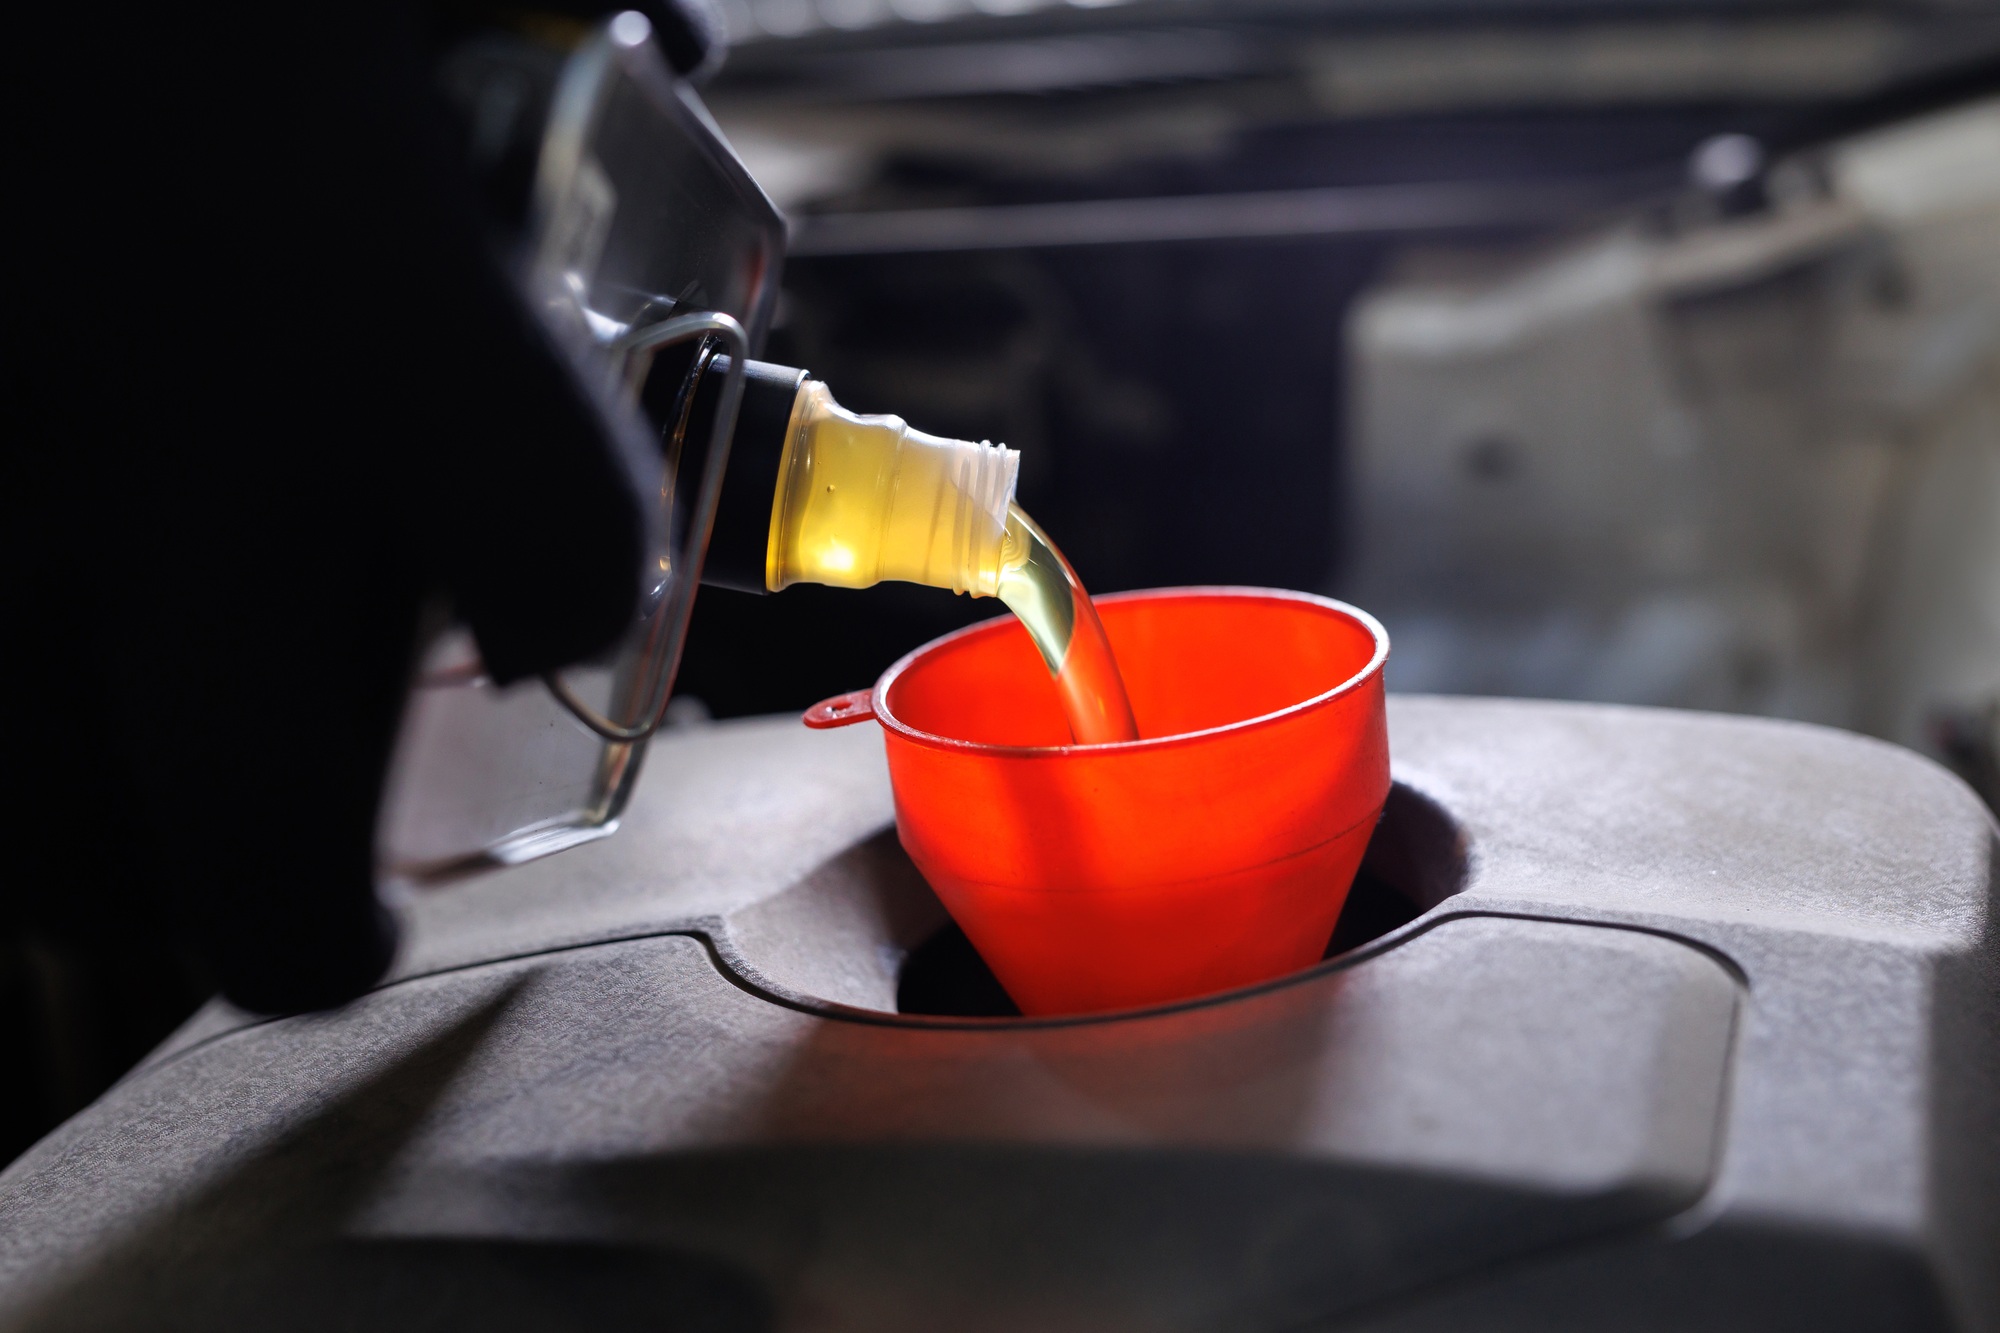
(1041,589)
(865,498)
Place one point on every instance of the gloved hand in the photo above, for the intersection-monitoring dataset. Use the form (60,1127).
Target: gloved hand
(283,402)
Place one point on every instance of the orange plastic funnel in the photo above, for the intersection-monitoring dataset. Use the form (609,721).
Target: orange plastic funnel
(1214,853)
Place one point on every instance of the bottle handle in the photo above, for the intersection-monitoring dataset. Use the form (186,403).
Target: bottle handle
(842,710)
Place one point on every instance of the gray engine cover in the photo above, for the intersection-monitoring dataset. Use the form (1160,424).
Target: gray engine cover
(1697,1030)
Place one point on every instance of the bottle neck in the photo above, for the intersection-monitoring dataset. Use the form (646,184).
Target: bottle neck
(739,542)
(814,493)
(861,499)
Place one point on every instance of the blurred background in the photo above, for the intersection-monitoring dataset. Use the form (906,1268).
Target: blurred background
(1633,352)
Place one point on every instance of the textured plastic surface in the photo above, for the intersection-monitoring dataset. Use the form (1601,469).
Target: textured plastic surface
(1215,853)
(1699,1029)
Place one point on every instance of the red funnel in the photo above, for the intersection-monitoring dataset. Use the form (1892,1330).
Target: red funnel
(1215,853)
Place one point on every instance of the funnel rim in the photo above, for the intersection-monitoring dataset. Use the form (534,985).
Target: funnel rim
(885,714)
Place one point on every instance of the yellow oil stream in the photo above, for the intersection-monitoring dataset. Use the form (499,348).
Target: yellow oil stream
(1041,589)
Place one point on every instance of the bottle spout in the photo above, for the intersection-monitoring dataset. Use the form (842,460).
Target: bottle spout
(815,493)
(861,499)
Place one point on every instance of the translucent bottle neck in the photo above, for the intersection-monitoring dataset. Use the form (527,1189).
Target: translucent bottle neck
(861,499)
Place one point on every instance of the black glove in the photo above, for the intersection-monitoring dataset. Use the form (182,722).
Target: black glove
(282,399)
